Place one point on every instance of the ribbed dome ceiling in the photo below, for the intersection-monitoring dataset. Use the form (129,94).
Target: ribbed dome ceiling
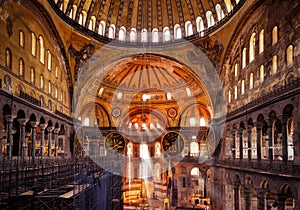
(126,20)
(160,78)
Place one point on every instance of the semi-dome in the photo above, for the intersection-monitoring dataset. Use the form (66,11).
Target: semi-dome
(148,20)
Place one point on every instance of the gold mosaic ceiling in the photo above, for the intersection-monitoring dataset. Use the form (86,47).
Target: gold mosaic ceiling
(148,14)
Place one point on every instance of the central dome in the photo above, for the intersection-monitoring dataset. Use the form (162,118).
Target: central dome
(147,77)
(148,20)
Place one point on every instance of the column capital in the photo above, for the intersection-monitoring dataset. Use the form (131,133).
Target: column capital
(56,130)
(33,124)
(43,126)
(23,121)
(9,118)
(50,128)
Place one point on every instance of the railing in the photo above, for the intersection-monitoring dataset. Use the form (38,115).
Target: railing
(266,166)
(63,115)
(30,98)
(267,97)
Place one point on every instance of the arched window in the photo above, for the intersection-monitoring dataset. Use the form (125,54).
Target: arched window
(21,67)
(166,34)
(177,32)
(112,31)
(228,5)
(42,82)
(71,13)
(100,91)
(42,50)
(261,41)
(200,25)
(169,96)
(262,73)
(252,48)
(289,55)
(188,28)
(49,105)
(33,44)
(49,63)
(119,96)
(157,150)
(229,96)
(61,95)
(274,35)
(92,23)
(8,59)
(56,92)
(202,121)
(129,149)
(86,122)
(244,57)
(21,39)
(194,149)
(235,92)
(243,87)
(188,91)
(155,37)
(274,64)
(132,35)
(144,35)
(210,18)
(144,153)
(32,75)
(56,72)
(101,29)
(122,34)
(236,69)
(192,121)
(82,18)
(251,81)
(42,101)
(49,87)
(220,12)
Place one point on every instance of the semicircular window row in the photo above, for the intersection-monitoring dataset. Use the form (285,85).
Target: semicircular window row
(123,34)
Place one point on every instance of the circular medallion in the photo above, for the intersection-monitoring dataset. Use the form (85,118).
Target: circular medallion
(173,143)
(116,112)
(115,141)
(172,112)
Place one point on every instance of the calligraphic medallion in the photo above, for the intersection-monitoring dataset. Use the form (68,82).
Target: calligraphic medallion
(173,143)
(115,141)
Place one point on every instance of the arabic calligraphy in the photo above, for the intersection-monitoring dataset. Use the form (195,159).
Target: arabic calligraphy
(173,143)
(115,141)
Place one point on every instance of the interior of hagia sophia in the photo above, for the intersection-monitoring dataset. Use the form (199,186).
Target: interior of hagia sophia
(150,104)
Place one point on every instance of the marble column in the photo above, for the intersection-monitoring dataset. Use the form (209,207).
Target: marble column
(261,194)
(284,141)
(9,120)
(33,139)
(241,143)
(42,127)
(236,190)
(56,130)
(49,129)
(270,128)
(259,141)
(281,202)
(247,197)
(22,137)
(233,133)
(249,142)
